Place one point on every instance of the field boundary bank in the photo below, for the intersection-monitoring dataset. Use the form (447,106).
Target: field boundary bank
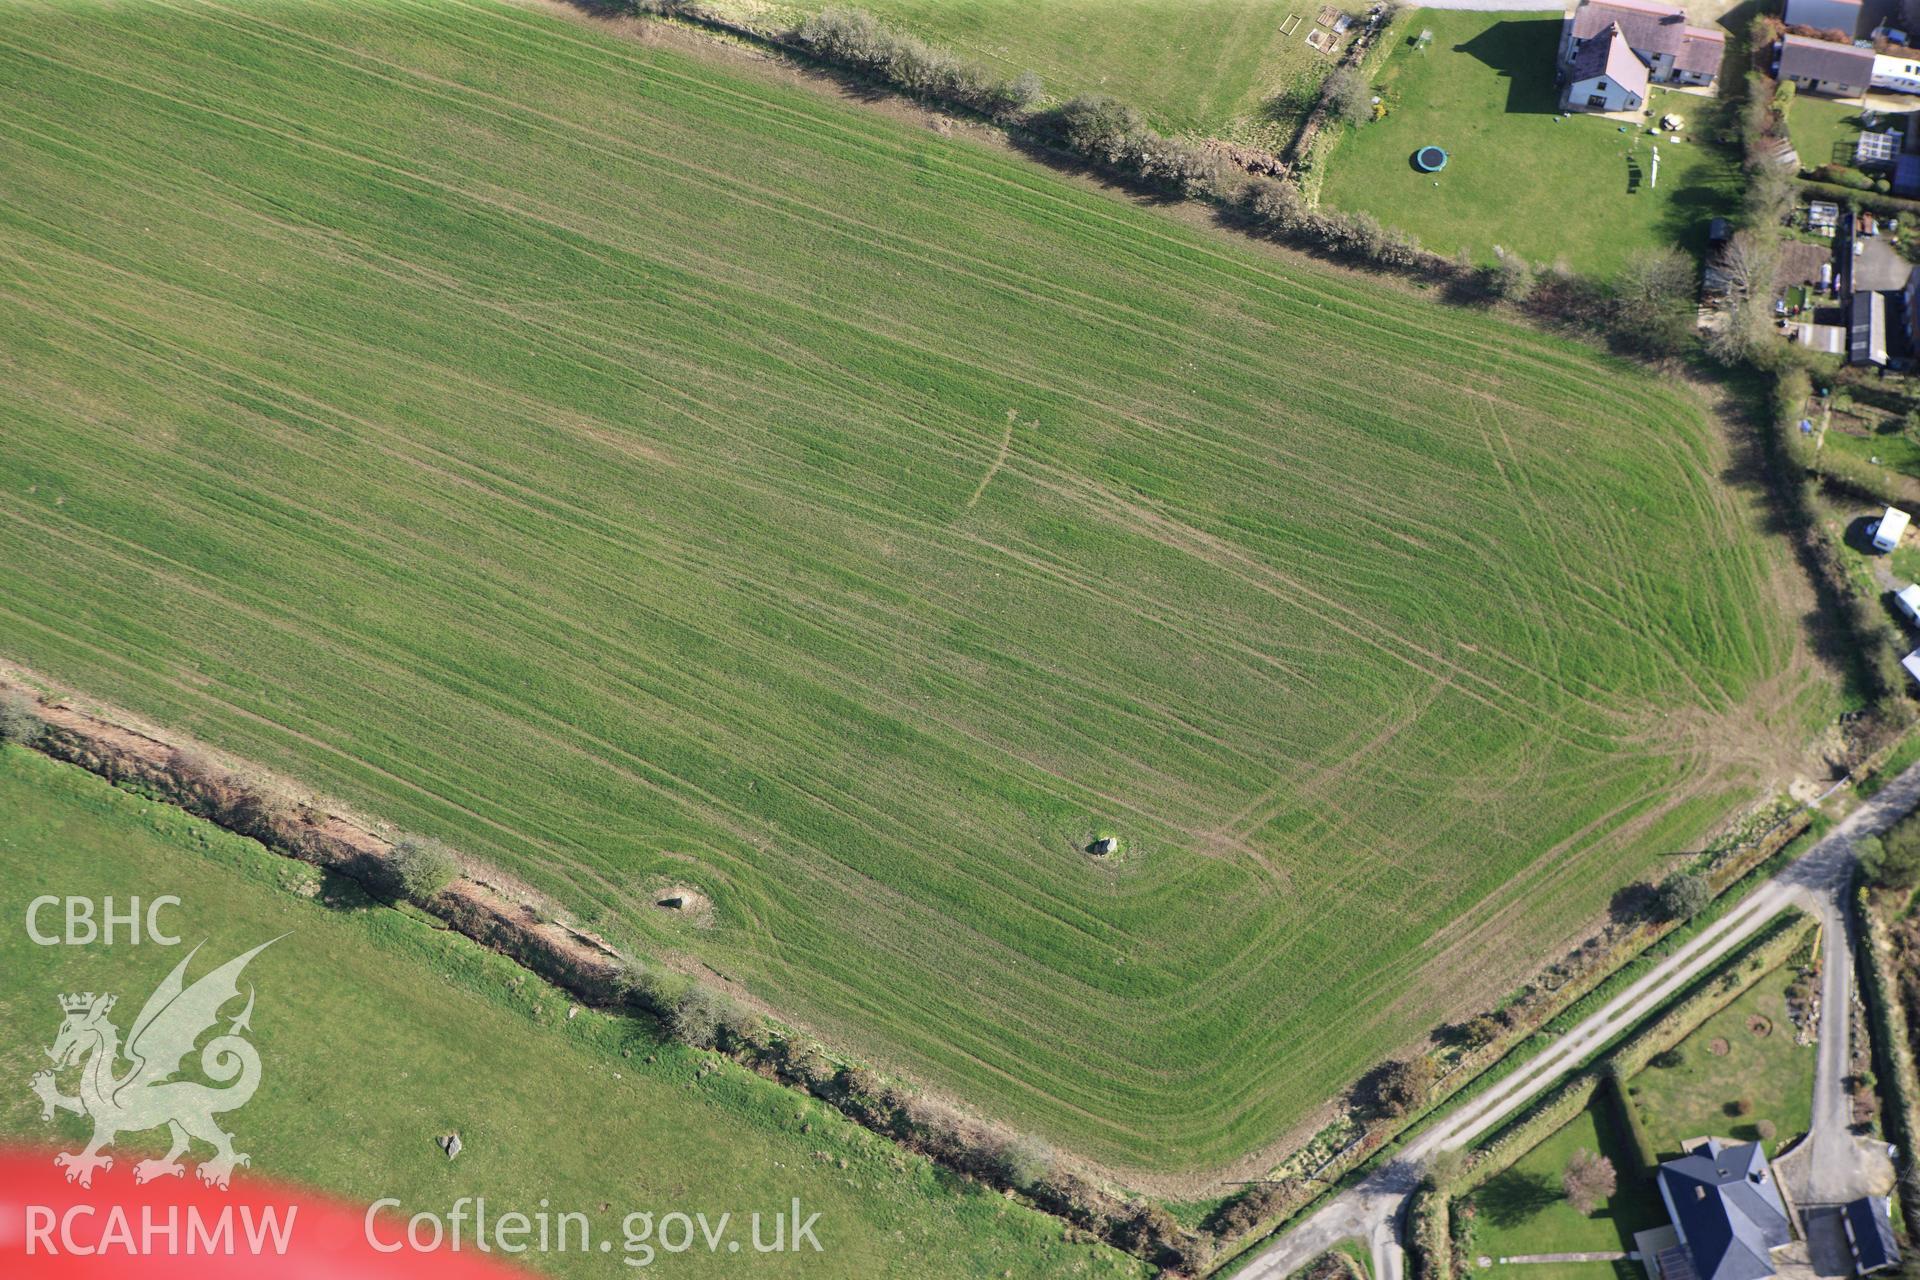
(1241,188)
(1262,194)
(1888,1026)
(504,917)
(588,969)
(1203,170)
(1741,870)
(579,963)
(1135,156)
(1429,1239)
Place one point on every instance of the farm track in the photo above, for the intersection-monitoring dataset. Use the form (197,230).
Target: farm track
(1819,882)
(848,520)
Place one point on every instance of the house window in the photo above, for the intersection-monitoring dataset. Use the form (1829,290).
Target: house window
(1601,86)
(1597,100)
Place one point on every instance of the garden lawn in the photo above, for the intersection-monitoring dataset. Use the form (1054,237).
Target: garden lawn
(1823,131)
(1523,1210)
(1217,67)
(642,472)
(1771,1072)
(377,1033)
(1895,474)
(1519,176)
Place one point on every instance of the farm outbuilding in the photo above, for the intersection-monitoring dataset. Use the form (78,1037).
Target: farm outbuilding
(1822,66)
(1888,529)
(1912,663)
(1907,601)
(1869,1223)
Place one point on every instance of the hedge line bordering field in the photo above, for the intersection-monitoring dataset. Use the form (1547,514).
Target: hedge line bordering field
(1775,943)
(600,977)
(1892,1049)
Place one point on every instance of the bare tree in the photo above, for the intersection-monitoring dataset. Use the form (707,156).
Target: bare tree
(1770,193)
(1513,277)
(19,719)
(1348,96)
(1588,1181)
(1652,279)
(1748,262)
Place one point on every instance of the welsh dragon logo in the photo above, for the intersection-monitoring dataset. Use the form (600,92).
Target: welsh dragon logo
(145,1095)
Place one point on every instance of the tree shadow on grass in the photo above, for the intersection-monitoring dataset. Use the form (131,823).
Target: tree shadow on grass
(1513,1198)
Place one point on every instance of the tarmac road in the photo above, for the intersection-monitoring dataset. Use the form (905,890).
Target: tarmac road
(1372,1210)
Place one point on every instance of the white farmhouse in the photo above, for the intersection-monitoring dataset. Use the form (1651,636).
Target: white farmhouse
(1672,51)
(1606,75)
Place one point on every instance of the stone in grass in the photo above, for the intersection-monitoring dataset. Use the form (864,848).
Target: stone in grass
(449,1144)
(1104,846)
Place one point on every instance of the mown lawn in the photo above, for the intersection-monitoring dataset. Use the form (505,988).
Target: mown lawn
(639,473)
(1523,1210)
(1823,131)
(1217,67)
(1769,1073)
(1573,189)
(378,1033)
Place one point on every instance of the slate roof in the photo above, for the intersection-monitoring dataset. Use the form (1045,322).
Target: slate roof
(1608,55)
(1700,50)
(1805,58)
(1906,175)
(1728,1211)
(1870,1228)
(1653,28)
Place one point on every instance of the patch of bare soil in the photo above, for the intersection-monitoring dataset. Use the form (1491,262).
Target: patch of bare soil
(681,902)
(1718,1047)
(1759,1026)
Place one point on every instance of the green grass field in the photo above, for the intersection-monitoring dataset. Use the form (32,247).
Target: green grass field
(1823,131)
(1218,67)
(1771,1073)
(377,1033)
(1517,175)
(641,472)
(1523,1209)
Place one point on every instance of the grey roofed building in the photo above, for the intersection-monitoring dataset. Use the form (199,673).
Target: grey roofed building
(1867,327)
(1659,33)
(1870,1234)
(1726,1210)
(1607,56)
(1648,25)
(1824,65)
